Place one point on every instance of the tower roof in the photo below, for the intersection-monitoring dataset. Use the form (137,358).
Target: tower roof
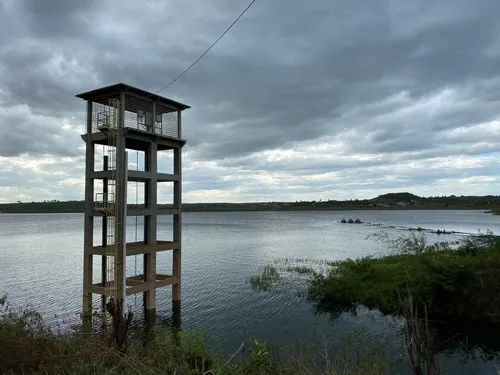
(112,90)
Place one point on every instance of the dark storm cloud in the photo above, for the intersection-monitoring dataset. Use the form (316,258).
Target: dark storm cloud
(45,93)
(279,103)
(397,79)
(35,135)
(271,100)
(56,18)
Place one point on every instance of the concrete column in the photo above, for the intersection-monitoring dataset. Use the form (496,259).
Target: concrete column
(151,225)
(177,225)
(121,196)
(176,315)
(88,240)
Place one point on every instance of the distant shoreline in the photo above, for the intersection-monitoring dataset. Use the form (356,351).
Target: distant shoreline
(305,209)
(386,202)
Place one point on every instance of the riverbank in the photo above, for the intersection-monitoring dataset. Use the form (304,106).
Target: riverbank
(27,346)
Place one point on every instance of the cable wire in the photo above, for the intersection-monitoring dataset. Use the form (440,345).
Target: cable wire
(209,48)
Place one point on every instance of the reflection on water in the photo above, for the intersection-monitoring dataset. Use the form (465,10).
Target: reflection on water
(41,264)
(172,320)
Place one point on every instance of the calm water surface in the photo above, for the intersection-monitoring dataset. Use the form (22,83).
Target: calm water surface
(41,264)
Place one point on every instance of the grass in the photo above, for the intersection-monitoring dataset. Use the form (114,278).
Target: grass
(27,346)
(269,276)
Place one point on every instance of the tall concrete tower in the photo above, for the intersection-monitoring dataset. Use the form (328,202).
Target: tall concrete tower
(121,118)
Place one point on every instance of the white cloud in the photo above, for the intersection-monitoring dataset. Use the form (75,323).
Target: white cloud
(304,101)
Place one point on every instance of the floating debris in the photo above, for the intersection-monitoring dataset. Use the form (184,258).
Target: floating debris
(418,229)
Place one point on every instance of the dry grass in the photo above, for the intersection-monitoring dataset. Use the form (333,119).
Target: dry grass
(28,347)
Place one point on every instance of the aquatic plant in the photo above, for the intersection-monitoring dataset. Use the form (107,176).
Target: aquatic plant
(266,279)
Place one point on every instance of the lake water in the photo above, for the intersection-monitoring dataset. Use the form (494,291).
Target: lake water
(41,264)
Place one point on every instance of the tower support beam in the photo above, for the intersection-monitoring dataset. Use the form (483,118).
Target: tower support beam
(88,237)
(177,227)
(150,227)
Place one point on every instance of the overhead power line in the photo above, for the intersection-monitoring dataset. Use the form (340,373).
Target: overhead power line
(209,48)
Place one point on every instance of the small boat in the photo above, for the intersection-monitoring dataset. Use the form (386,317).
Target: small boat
(357,221)
(343,221)
(350,221)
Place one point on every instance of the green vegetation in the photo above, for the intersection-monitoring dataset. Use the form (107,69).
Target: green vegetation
(28,347)
(269,276)
(396,201)
(456,280)
(461,282)
(447,293)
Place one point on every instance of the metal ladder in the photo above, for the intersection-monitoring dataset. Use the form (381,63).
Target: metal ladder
(110,206)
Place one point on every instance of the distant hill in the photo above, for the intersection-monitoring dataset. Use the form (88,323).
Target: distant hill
(397,197)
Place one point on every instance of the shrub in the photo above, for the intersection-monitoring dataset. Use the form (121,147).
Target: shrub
(28,347)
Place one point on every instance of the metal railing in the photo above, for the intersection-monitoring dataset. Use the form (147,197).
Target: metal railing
(140,113)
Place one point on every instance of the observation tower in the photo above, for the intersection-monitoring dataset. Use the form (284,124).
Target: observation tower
(124,119)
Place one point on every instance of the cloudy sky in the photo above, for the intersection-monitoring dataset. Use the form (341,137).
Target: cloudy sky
(324,99)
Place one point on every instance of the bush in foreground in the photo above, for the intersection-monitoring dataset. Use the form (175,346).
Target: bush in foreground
(28,347)
(459,279)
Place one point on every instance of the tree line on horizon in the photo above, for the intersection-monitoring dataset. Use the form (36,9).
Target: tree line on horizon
(389,200)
